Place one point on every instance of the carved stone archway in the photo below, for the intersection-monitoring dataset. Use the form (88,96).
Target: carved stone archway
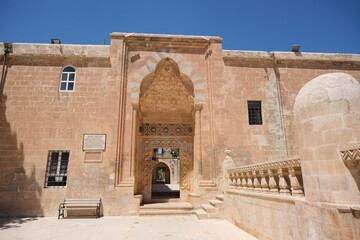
(166,116)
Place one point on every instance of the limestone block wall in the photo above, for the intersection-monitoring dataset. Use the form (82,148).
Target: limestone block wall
(327,122)
(274,79)
(35,118)
(279,217)
(249,80)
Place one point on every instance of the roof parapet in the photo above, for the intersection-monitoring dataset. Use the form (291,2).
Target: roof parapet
(293,56)
(166,37)
(60,50)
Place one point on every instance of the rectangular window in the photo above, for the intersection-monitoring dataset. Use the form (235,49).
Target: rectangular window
(254,110)
(57,168)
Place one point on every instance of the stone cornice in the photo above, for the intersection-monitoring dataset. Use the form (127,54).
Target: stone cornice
(59,50)
(142,37)
(290,56)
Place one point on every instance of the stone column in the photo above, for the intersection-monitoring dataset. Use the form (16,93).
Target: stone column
(198,174)
(133,139)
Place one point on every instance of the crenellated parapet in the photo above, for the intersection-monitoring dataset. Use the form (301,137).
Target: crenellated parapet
(278,177)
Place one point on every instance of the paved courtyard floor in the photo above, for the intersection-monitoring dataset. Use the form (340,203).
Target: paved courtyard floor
(129,228)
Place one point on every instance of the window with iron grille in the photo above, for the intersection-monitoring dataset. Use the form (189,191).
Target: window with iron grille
(67,81)
(57,168)
(254,110)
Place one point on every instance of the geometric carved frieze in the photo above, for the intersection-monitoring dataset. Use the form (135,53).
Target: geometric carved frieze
(165,129)
(351,157)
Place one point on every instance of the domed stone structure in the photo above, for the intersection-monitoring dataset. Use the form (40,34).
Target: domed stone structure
(327,118)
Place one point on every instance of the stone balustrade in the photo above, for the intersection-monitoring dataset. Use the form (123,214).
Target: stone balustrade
(278,177)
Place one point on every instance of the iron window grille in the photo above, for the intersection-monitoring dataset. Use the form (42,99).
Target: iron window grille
(254,110)
(57,168)
(67,81)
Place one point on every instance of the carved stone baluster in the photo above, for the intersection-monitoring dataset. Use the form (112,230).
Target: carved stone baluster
(234,180)
(264,184)
(231,179)
(296,181)
(257,184)
(272,182)
(284,181)
(244,180)
(250,184)
(238,180)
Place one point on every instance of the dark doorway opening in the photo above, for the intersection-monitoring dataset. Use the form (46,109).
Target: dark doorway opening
(165,173)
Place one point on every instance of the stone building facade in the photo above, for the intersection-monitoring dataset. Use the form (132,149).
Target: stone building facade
(81,121)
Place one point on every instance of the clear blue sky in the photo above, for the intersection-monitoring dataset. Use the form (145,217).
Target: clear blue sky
(264,25)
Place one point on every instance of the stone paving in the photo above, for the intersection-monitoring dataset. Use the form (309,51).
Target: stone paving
(122,228)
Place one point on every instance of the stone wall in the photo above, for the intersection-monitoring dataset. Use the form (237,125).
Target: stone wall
(274,79)
(326,115)
(279,217)
(36,118)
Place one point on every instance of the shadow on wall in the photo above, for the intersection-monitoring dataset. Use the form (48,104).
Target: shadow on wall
(19,190)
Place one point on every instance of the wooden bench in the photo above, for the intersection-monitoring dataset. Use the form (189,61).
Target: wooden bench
(80,204)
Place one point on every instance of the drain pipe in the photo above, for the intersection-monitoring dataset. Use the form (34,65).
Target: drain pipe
(7,50)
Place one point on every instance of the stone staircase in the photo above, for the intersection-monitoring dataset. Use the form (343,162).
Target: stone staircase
(167,208)
(213,210)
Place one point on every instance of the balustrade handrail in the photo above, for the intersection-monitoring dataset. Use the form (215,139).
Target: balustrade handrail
(284,163)
(282,176)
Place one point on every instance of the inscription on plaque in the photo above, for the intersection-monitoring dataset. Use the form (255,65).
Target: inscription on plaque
(94,142)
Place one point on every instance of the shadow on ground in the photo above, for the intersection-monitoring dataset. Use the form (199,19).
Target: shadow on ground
(6,223)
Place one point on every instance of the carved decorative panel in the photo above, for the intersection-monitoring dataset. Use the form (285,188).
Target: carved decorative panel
(186,152)
(166,91)
(164,129)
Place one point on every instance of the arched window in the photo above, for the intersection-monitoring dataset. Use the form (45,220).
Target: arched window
(67,82)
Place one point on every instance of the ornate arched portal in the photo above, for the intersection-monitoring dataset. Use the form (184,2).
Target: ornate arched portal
(166,114)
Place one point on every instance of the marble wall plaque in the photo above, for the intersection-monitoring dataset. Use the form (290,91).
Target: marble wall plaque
(94,142)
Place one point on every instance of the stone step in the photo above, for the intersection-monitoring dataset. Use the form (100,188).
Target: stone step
(168,208)
(216,203)
(201,214)
(220,197)
(167,205)
(152,212)
(165,200)
(208,208)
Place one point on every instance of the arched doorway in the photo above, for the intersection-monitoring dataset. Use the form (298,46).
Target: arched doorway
(166,120)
